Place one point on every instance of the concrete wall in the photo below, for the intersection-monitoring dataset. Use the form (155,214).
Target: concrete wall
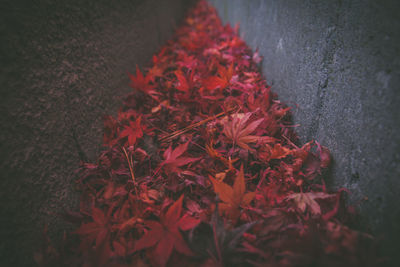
(339,61)
(63,65)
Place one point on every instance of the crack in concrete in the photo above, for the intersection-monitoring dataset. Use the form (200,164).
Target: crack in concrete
(326,70)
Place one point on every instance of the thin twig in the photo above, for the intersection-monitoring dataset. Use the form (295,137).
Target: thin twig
(177,133)
(130,164)
(290,142)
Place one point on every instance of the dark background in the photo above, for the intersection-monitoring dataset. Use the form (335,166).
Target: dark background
(339,61)
(63,65)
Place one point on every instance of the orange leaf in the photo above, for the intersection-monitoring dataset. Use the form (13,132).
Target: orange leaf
(239,186)
(233,197)
(307,201)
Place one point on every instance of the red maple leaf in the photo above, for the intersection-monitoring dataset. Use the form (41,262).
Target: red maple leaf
(221,81)
(182,84)
(238,131)
(174,159)
(96,231)
(141,82)
(165,235)
(133,131)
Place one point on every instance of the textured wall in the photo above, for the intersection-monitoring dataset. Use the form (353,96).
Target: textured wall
(63,66)
(339,61)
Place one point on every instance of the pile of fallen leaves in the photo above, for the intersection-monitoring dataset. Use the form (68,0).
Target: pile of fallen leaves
(202,169)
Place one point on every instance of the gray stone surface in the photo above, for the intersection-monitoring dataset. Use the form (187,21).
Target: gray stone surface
(63,66)
(339,61)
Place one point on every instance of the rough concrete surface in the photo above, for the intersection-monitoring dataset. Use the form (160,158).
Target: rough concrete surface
(339,61)
(63,65)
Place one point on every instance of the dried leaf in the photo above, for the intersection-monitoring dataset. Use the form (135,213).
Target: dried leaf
(238,131)
(233,198)
(307,200)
